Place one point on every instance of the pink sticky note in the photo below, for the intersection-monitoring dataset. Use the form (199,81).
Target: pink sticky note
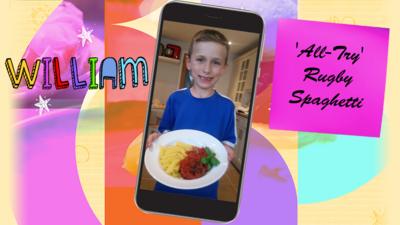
(329,78)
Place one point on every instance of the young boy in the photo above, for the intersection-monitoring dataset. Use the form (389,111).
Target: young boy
(201,107)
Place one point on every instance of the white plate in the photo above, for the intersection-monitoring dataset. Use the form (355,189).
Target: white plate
(193,137)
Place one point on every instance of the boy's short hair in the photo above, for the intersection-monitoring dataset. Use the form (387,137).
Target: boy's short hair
(210,35)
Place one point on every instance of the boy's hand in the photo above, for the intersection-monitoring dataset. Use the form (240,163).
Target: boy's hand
(151,138)
(231,152)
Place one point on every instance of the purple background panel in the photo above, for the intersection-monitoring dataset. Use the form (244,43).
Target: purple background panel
(49,184)
(268,191)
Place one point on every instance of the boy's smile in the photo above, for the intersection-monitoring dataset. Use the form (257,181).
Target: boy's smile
(205,79)
(207,64)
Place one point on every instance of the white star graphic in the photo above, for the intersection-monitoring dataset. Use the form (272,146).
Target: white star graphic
(43,104)
(85,36)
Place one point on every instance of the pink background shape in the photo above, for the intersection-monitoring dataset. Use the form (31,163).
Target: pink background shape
(369,76)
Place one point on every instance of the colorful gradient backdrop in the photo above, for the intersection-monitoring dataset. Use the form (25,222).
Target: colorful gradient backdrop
(76,164)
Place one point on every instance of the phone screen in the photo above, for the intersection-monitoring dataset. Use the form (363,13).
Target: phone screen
(199,112)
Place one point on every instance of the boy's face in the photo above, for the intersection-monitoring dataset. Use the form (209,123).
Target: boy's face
(207,63)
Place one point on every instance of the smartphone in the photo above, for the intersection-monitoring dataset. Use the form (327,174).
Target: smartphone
(199,111)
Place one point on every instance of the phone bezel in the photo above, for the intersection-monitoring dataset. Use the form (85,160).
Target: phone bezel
(181,205)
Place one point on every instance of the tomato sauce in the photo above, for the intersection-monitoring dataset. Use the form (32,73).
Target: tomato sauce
(191,167)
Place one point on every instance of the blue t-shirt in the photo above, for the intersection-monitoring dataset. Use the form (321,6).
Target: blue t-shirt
(214,115)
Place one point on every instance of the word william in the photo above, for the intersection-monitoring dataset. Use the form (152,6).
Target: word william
(109,70)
